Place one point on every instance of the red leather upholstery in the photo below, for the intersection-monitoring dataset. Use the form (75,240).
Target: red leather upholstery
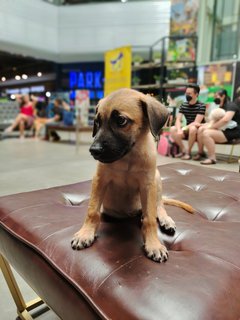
(113,279)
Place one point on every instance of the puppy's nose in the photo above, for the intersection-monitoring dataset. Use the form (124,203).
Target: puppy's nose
(96,149)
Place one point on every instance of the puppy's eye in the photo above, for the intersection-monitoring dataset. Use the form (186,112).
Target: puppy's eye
(121,121)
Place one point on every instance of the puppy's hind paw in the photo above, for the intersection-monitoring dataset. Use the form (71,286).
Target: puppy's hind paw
(167,225)
(81,242)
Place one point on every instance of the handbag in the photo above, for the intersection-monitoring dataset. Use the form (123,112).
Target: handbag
(166,146)
(68,117)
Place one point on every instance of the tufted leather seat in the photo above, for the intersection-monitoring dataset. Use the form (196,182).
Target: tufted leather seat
(113,279)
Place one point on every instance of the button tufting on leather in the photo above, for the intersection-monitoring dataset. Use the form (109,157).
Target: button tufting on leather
(70,199)
(218,178)
(198,187)
(184,172)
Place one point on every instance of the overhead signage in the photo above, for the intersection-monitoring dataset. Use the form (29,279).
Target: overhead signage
(26,90)
(117,69)
(85,80)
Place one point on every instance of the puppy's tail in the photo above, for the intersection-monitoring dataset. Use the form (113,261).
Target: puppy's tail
(177,203)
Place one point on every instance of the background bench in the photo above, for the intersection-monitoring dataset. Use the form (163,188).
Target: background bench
(232,144)
(77,128)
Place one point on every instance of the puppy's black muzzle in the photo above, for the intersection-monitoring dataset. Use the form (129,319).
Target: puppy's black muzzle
(96,150)
(103,152)
(107,153)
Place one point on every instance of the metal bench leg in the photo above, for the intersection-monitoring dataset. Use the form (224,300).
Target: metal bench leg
(231,154)
(22,307)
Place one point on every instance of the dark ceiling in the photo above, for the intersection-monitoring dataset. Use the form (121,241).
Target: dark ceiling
(12,65)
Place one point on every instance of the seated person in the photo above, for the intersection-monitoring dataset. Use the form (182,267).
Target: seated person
(209,136)
(194,112)
(57,115)
(25,118)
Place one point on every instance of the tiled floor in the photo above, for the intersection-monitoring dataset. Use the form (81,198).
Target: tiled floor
(31,165)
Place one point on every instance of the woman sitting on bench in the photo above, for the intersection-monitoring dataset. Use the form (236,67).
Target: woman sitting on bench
(25,118)
(207,137)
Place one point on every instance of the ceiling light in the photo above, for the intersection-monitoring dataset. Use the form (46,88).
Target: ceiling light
(39,74)
(123,1)
(3,79)
(48,94)
(24,76)
(17,77)
(12,96)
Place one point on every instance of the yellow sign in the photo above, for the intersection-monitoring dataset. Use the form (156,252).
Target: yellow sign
(117,69)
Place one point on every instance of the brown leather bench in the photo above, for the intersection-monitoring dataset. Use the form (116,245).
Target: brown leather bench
(113,279)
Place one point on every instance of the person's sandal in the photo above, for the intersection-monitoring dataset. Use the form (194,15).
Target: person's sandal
(186,157)
(208,162)
(179,155)
(199,156)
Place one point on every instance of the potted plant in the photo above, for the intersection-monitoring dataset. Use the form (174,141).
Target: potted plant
(137,59)
(135,80)
(157,78)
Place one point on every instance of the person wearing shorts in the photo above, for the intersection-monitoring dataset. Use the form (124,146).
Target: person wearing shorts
(194,112)
(207,137)
(25,118)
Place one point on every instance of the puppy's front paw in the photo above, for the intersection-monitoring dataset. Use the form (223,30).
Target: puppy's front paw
(167,225)
(157,253)
(82,239)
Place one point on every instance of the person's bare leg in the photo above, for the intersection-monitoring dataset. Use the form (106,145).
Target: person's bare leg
(37,125)
(21,128)
(14,124)
(210,137)
(191,138)
(200,139)
(178,138)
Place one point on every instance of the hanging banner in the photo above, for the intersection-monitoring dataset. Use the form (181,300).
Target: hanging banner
(183,22)
(82,105)
(117,69)
(214,77)
(183,17)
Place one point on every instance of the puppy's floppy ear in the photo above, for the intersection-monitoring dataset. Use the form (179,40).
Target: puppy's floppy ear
(156,113)
(95,127)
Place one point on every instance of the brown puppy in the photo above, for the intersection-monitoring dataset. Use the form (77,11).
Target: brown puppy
(127,181)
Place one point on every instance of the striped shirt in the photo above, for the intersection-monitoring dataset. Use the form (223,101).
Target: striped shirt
(190,111)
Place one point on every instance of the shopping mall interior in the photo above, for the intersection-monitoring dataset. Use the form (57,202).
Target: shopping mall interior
(78,52)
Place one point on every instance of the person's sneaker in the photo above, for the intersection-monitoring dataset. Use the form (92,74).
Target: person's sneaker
(56,139)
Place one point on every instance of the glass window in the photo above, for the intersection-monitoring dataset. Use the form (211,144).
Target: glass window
(226,32)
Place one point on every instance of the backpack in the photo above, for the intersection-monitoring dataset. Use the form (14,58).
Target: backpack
(166,146)
(68,117)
